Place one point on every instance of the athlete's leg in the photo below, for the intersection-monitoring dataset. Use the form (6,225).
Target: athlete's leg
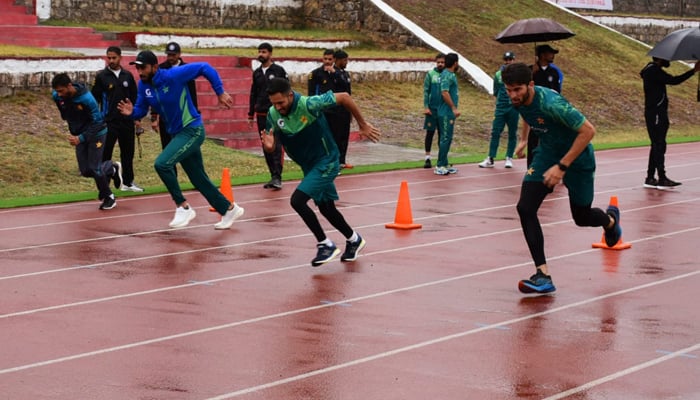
(532,194)
(299,202)
(328,210)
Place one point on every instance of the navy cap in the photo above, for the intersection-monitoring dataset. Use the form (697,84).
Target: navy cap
(509,55)
(340,54)
(145,57)
(545,48)
(172,48)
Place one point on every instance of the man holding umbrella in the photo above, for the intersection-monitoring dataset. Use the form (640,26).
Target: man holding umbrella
(656,118)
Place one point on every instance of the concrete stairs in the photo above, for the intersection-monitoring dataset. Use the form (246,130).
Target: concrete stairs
(230,127)
(19,27)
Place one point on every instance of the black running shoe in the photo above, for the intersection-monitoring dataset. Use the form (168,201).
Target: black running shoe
(108,203)
(613,235)
(651,183)
(667,184)
(324,254)
(427,163)
(352,249)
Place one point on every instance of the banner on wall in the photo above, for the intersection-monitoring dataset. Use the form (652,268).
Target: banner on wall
(589,4)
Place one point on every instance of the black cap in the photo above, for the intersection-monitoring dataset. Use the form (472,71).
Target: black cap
(340,54)
(145,57)
(545,48)
(509,55)
(172,48)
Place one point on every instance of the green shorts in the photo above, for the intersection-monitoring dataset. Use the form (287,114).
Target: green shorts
(319,182)
(579,182)
(431,121)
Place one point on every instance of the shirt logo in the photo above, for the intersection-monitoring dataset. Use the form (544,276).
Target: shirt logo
(125,84)
(148,93)
(280,123)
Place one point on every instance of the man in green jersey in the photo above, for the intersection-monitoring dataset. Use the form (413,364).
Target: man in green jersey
(298,123)
(432,97)
(564,155)
(447,113)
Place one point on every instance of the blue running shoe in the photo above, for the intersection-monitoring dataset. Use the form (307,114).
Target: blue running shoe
(352,249)
(324,254)
(538,283)
(613,235)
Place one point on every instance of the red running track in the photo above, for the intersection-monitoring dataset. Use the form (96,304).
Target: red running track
(113,305)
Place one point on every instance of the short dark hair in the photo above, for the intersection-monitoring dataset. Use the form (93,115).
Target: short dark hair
(114,49)
(329,52)
(278,85)
(517,74)
(439,56)
(61,79)
(265,46)
(451,59)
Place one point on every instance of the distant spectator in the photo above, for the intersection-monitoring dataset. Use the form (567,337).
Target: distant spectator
(112,85)
(432,97)
(259,106)
(447,113)
(656,117)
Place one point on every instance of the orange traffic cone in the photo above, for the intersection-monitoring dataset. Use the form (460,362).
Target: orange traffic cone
(620,245)
(225,188)
(403,218)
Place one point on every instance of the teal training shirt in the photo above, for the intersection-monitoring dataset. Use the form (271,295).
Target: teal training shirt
(432,95)
(448,82)
(556,122)
(304,133)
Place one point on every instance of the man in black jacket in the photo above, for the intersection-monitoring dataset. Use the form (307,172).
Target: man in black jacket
(260,104)
(112,85)
(656,117)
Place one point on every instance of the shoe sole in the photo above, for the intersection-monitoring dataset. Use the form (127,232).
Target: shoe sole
(525,287)
(666,188)
(357,252)
(488,166)
(187,222)
(321,262)
(118,168)
(647,186)
(237,215)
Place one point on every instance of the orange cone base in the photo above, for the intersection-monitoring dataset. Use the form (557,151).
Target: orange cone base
(395,225)
(620,245)
(225,188)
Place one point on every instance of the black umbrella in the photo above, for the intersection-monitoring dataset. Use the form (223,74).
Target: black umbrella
(533,30)
(683,44)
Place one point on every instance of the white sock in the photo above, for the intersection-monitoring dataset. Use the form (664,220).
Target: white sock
(354,237)
(326,242)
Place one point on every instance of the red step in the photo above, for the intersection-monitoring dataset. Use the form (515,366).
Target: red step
(17,18)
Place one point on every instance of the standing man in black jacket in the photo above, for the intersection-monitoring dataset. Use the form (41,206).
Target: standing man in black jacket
(656,117)
(112,85)
(259,106)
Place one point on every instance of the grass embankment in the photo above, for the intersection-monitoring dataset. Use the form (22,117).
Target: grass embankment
(601,78)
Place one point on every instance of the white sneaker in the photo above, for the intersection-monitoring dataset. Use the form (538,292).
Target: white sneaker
(183,216)
(441,171)
(230,216)
(509,162)
(131,188)
(487,163)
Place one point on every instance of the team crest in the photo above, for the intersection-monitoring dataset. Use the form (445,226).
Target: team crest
(280,123)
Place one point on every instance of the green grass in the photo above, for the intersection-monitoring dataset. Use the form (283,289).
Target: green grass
(601,79)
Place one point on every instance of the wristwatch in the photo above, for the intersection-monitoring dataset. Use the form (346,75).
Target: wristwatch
(562,166)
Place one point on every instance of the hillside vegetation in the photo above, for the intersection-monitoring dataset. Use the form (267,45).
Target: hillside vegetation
(601,78)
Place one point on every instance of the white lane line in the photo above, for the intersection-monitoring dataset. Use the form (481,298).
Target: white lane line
(357,299)
(625,372)
(458,335)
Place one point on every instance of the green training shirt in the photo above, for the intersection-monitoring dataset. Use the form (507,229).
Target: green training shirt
(304,133)
(556,122)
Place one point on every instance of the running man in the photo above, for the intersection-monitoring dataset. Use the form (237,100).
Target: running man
(298,123)
(165,90)
(564,155)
